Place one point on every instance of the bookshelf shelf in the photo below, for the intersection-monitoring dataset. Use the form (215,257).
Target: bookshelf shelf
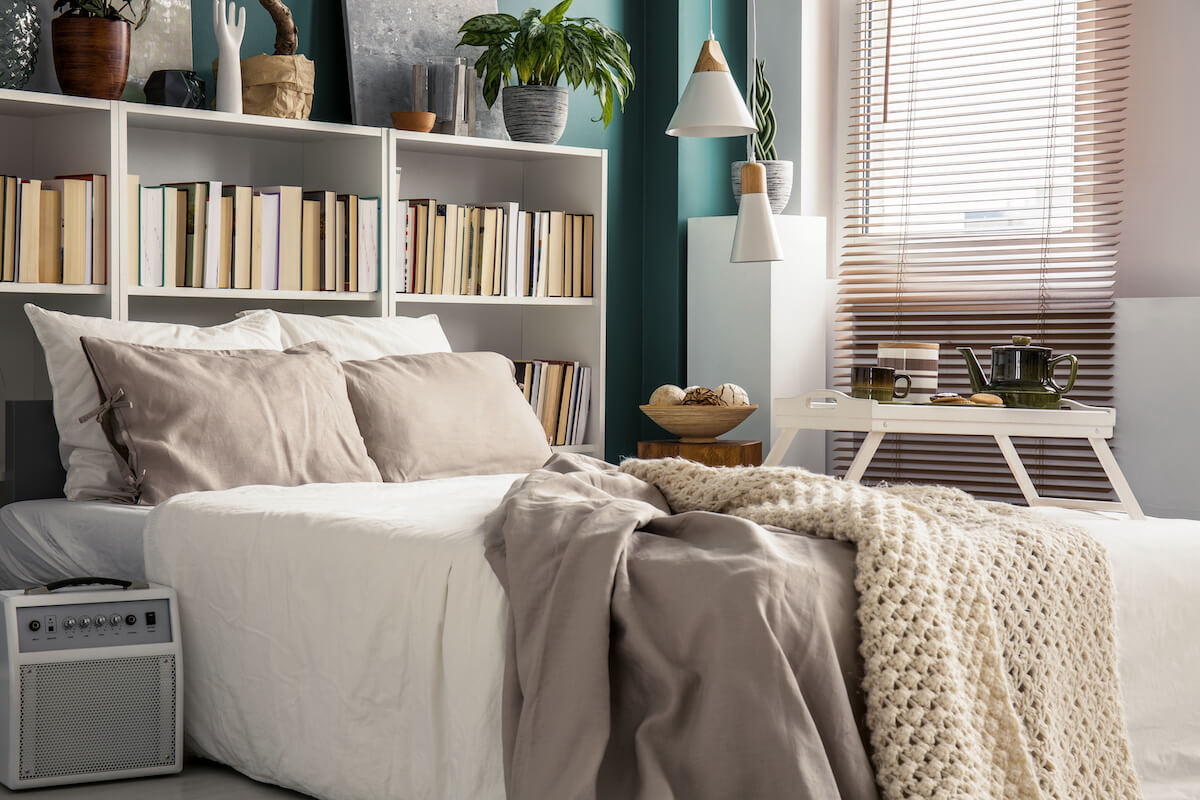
(52,288)
(586,449)
(43,135)
(266,295)
(476,300)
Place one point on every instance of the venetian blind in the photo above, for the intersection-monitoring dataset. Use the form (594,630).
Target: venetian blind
(983,194)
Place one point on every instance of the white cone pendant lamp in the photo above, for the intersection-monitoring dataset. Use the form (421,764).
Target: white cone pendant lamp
(755,237)
(711,105)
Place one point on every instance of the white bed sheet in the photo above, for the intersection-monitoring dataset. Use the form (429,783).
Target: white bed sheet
(407,703)
(343,640)
(46,540)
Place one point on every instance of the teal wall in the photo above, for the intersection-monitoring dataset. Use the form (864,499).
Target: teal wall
(655,181)
(321,39)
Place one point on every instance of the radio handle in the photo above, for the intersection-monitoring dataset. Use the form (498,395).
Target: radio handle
(54,586)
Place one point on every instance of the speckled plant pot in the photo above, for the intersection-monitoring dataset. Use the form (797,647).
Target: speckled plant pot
(535,113)
(20,32)
(779,183)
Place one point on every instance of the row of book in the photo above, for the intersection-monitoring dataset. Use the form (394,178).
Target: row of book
(494,250)
(54,231)
(560,393)
(214,236)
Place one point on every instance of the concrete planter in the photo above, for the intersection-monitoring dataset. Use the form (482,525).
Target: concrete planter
(535,113)
(779,183)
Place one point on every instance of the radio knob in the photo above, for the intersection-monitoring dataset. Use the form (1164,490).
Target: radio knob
(115,620)
(69,624)
(85,622)
(101,620)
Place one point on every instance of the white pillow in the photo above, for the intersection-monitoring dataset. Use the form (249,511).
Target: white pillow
(92,469)
(363,338)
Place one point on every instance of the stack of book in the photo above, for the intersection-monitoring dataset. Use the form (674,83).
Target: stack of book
(214,236)
(560,393)
(494,250)
(54,231)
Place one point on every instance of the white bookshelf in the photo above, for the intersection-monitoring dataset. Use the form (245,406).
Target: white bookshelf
(43,135)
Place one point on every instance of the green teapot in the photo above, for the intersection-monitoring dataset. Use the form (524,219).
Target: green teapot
(1022,374)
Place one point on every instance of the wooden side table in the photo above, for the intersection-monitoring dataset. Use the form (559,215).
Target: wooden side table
(721,453)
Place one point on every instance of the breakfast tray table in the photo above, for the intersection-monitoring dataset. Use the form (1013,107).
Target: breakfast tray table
(831,410)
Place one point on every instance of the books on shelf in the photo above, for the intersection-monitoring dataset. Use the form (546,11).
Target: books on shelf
(559,393)
(207,234)
(55,230)
(493,250)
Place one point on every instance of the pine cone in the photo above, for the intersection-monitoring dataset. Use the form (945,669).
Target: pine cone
(701,396)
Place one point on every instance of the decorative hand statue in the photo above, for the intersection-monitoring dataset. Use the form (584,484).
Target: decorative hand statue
(229,46)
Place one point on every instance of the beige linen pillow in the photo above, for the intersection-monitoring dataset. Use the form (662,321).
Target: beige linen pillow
(91,470)
(194,420)
(438,415)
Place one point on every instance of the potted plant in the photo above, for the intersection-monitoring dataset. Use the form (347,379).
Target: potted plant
(91,45)
(779,173)
(279,85)
(527,57)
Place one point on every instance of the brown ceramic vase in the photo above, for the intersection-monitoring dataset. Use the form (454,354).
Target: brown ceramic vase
(91,56)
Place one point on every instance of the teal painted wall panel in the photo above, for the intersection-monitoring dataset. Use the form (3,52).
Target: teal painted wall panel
(322,39)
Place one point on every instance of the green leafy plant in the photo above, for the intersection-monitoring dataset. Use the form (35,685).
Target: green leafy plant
(540,49)
(764,115)
(119,10)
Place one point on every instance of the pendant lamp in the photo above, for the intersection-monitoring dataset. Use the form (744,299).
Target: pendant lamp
(755,237)
(711,106)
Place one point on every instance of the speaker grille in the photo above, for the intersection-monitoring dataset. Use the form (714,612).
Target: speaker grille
(105,715)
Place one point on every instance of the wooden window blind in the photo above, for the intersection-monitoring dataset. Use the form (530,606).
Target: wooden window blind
(983,196)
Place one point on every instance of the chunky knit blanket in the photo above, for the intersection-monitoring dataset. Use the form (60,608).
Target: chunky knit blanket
(988,632)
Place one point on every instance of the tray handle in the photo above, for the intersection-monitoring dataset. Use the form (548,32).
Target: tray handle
(824,400)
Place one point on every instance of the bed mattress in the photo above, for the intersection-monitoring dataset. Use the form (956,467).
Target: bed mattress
(348,641)
(46,540)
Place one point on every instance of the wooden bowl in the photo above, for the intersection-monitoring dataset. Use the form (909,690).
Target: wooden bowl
(419,121)
(698,423)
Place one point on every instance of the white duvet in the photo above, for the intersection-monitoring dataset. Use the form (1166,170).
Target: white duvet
(343,640)
(348,640)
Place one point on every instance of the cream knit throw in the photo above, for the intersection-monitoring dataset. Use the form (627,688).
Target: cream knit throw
(987,631)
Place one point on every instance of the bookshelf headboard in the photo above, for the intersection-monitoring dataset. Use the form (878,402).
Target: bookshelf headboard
(32,468)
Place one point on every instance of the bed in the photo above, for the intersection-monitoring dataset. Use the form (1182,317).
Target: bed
(329,603)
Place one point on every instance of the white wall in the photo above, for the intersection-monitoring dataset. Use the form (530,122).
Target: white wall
(1158,283)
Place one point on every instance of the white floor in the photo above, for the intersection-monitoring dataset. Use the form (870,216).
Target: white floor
(200,780)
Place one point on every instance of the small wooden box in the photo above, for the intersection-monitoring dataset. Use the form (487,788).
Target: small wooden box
(721,453)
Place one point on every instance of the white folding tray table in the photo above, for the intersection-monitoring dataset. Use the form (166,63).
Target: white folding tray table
(831,410)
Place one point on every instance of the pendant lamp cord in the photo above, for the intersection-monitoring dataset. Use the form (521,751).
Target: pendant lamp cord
(711,35)
(751,78)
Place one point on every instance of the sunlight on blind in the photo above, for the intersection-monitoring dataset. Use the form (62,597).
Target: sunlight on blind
(982,201)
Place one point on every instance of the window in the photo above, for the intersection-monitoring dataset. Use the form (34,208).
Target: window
(982,201)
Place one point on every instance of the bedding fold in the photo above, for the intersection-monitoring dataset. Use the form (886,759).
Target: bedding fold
(732,670)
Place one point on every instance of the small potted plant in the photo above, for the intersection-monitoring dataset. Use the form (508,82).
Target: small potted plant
(91,45)
(527,57)
(779,173)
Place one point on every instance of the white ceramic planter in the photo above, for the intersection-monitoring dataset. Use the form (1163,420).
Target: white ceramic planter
(779,183)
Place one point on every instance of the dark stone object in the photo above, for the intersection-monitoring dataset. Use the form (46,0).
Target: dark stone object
(181,88)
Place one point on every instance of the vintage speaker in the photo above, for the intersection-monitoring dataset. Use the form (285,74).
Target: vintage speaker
(90,689)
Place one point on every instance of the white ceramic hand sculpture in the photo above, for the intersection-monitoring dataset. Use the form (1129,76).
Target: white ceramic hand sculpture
(229,47)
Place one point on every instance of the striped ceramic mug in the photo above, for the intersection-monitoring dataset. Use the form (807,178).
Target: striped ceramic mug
(918,360)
